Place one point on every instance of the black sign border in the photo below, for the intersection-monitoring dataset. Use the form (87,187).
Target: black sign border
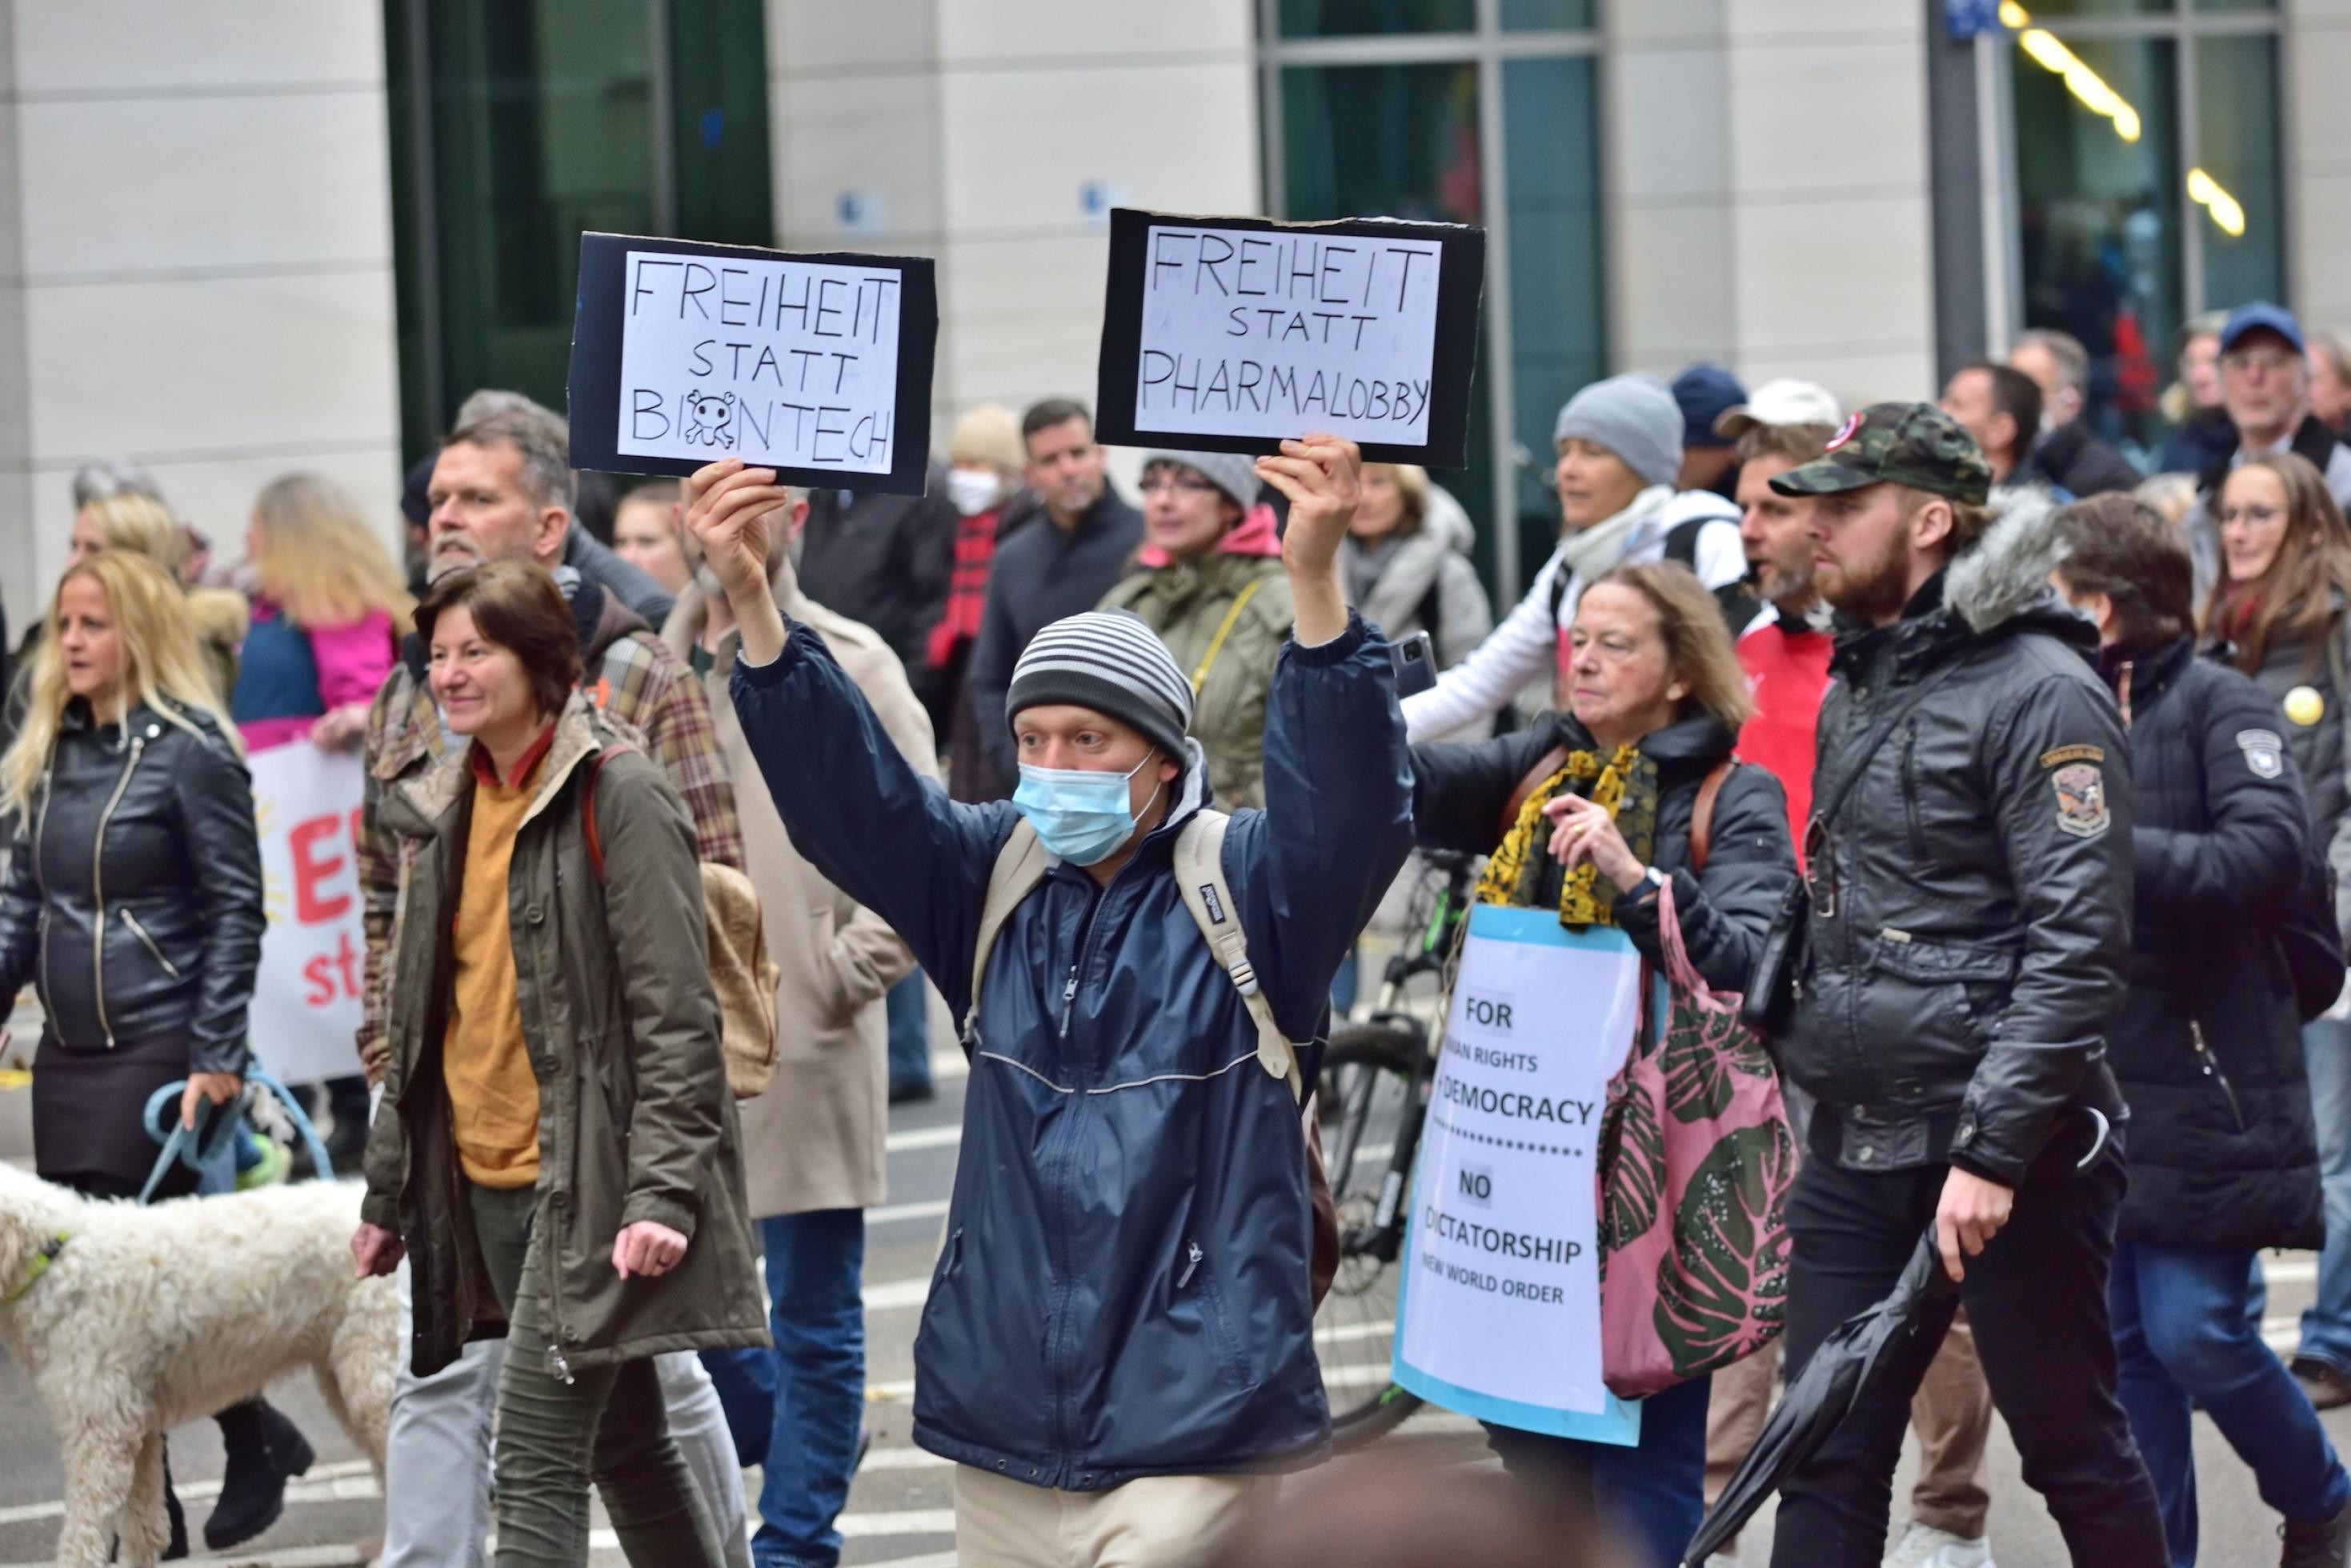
(595,377)
(1461,288)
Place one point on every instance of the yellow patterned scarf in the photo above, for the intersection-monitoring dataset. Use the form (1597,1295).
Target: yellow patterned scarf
(1627,784)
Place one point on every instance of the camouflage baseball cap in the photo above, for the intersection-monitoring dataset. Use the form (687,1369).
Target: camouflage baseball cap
(1913,444)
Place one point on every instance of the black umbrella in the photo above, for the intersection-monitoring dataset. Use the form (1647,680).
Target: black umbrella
(1843,1367)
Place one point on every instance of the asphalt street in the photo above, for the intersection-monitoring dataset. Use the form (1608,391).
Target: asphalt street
(900,1511)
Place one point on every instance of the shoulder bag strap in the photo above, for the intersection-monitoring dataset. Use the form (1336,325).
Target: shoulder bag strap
(1701,833)
(1550,763)
(1020,864)
(1216,643)
(1201,877)
(1826,801)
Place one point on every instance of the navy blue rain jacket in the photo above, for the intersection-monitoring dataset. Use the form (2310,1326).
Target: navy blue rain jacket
(1123,1290)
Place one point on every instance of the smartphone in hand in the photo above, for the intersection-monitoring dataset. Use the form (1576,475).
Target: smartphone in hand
(1414,661)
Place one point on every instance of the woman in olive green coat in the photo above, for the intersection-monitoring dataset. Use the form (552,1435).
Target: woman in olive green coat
(1213,588)
(557,1146)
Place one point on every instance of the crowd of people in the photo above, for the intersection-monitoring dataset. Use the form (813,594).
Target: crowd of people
(2007,783)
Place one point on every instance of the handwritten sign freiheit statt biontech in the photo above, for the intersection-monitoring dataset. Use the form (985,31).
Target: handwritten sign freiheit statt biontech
(686,353)
(1230,334)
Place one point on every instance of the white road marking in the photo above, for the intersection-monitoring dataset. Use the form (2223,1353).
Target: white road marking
(934,1208)
(926,1137)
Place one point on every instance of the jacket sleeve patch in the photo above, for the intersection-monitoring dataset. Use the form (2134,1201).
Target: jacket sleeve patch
(2082,808)
(2264,752)
(2064,755)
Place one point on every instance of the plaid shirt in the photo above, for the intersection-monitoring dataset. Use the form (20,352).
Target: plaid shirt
(639,682)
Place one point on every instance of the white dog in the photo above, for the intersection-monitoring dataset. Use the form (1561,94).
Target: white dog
(143,1319)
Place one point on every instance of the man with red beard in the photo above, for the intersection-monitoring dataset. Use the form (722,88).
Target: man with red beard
(1965,939)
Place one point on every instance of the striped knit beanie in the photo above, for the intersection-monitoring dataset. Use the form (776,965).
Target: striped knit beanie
(1110,661)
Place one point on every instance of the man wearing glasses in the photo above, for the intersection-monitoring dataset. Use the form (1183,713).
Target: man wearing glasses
(2265,387)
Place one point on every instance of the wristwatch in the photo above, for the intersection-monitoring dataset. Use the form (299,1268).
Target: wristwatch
(1657,880)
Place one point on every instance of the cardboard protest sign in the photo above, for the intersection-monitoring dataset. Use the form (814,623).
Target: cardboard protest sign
(1499,1306)
(1229,334)
(816,366)
(306,995)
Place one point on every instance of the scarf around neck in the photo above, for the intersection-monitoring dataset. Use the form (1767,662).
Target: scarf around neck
(1625,782)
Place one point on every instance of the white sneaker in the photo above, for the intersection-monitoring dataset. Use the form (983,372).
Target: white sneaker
(1924,1546)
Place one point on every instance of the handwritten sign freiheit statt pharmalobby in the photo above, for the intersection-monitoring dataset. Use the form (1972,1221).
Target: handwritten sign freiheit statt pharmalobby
(1230,334)
(819,367)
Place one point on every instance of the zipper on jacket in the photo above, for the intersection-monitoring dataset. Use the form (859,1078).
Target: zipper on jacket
(152,950)
(40,828)
(97,889)
(1192,1257)
(1910,790)
(1068,1000)
(2212,1071)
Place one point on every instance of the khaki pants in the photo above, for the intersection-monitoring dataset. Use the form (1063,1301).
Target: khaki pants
(1158,1522)
(1736,1405)
(1952,1412)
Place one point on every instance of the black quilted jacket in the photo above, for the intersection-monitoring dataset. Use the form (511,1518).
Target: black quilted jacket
(2209,1045)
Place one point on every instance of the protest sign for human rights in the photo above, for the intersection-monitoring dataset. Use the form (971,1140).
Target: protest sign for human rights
(817,366)
(1230,334)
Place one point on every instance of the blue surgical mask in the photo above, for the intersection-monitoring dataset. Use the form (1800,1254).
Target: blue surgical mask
(1081,814)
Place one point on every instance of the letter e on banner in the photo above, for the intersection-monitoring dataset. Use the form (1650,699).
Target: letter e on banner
(306,998)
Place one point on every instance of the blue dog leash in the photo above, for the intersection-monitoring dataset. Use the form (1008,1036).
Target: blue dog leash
(216,1124)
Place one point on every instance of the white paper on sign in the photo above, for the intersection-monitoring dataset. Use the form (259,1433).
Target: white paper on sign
(786,362)
(1500,1312)
(1256,332)
(304,1015)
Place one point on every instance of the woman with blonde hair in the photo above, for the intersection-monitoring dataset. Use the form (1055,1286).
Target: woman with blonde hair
(132,902)
(1592,813)
(328,612)
(128,520)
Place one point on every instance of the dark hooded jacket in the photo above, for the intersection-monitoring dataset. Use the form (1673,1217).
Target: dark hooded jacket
(2208,1047)
(1460,792)
(1124,1289)
(2072,457)
(1970,935)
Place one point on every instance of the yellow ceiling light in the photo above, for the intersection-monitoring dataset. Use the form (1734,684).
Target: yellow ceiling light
(2087,86)
(2013,15)
(2227,212)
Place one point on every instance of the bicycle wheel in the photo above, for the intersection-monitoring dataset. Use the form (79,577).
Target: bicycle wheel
(1367,1093)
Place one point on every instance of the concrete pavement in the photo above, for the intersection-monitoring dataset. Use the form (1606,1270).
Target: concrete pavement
(901,1508)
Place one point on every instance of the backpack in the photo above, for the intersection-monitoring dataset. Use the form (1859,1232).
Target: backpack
(1022,864)
(2309,940)
(741,972)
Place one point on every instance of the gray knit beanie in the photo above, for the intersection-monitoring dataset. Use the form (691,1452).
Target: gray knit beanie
(1233,472)
(1634,416)
(1111,662)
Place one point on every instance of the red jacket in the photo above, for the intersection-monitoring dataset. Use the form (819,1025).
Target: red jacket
(1787,670)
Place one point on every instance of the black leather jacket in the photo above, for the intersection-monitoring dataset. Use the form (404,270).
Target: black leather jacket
(1970,939)
(133,894)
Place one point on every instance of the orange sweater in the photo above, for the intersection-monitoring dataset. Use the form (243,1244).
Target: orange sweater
(492,1090)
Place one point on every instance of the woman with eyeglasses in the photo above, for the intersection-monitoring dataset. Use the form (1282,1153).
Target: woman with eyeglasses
(1211,585)
(2280,612)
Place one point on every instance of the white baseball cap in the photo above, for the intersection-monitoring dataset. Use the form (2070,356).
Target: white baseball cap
(1783,402)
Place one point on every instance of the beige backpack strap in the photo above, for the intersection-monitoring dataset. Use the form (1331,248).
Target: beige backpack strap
(1200,875)
(1020,864)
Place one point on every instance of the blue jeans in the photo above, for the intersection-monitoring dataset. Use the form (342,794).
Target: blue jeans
(2182,1338)
(910,1033)
(2326,1325)
(1655,1490)
(814,1264)
(745,1379)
